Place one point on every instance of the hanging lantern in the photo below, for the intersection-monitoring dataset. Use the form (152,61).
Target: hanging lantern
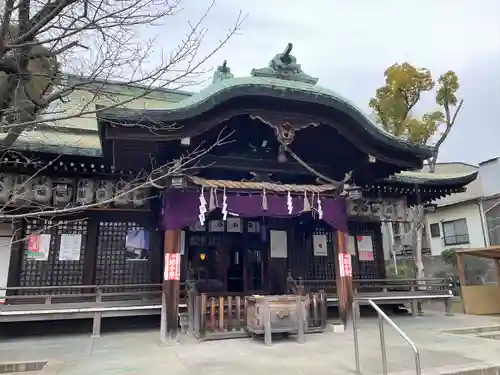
(22,191)
(400,209)
(354,192)
(62,194)
(140,196)
(178,182)
(85,191)
(42,189)
(6,184)
(353,207)
(430,207)
(365,208)
(104,191)
(388,209)
(123,195)
(376,207)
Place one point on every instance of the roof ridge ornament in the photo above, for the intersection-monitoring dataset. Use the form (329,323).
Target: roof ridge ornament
(284,66)
(223,72)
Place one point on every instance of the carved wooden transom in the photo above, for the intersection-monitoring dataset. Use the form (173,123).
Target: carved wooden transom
(285,128)
(285,133)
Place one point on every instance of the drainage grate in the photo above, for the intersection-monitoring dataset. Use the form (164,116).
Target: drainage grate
(494,370)
(491,332)
(9,368)
(473,330)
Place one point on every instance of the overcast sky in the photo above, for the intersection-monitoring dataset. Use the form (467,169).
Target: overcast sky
(347,44)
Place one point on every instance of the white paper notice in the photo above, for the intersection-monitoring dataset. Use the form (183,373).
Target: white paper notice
(278,244)
(319,245)
(365,248)
(70,247)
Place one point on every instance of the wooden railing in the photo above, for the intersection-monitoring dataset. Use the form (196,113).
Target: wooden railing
(317,311)
(421,286)
(425,285)
(217,316)
(63,294)
(329,287)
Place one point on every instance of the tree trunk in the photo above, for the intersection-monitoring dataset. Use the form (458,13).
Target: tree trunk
(418,254)
(417,226)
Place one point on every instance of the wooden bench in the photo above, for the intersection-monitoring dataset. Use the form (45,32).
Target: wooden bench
(403,291)
(82,302)
(386,291)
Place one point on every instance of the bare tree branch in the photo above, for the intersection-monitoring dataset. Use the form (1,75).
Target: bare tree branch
(43,42)
(144,179)
(34,52)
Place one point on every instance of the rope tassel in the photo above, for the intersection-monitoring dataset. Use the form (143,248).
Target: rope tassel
(320,208)
(224,205)
(202,208)
(307,205)
(264,200)
(289,203)
(211,205)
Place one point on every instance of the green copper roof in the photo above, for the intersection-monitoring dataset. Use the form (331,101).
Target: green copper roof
(425,178)
(283,78)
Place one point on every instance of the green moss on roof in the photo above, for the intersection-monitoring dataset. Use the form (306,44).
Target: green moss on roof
(60,141)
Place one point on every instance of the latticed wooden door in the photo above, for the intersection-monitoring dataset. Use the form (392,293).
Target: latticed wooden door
(114,265)
(368,269)
(53,271)
(302,262)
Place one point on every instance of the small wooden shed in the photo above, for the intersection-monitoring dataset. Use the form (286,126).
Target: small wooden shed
(480,298)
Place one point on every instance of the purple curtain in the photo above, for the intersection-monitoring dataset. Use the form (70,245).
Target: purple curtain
(181,207)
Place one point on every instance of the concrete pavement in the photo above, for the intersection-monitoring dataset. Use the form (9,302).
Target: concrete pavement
(137,352)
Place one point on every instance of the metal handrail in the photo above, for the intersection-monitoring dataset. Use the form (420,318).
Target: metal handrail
(381,317)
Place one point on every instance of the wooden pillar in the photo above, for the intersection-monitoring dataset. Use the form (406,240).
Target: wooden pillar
(16,254)
(344,278)
(90,258)
(169,330)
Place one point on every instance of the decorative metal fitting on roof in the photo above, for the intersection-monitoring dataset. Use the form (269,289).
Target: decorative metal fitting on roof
(284,66)
(223,72)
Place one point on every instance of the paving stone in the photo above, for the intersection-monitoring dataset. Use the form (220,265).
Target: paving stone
(137,352)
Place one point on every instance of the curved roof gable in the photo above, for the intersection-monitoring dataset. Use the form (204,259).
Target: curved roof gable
(434,179)
(283,79)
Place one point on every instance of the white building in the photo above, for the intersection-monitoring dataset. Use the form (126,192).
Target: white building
(460,220)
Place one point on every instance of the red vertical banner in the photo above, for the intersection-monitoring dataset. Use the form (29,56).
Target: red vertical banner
(345,266)
(172,266)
